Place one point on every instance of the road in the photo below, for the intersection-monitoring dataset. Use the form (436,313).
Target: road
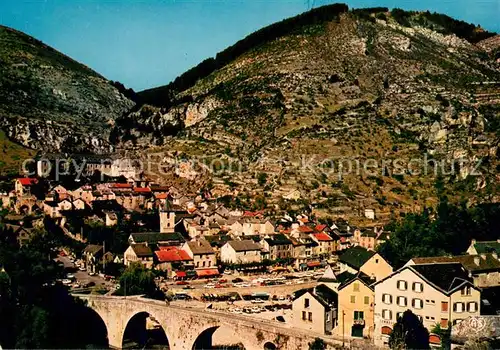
(82,276)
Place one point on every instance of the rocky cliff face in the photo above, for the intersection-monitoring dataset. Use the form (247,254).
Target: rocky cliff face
(50,102)
(365,86)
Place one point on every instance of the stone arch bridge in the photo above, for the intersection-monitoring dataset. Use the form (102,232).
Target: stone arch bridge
(189,328)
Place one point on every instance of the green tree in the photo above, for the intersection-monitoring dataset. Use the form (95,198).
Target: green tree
(34,310)
(409,333)
(262,179)
(137,280)
(317,344)
(444,335)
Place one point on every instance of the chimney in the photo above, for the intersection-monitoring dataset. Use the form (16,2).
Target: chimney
(477,260)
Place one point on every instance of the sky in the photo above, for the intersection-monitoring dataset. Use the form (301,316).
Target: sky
(147,43)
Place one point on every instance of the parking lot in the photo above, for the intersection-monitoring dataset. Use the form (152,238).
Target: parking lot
(80,278)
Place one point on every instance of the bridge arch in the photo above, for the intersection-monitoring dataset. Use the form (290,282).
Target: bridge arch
(270,346)
(204,340)
(144,329)
(94,328)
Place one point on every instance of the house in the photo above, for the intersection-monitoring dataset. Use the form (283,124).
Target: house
(315,309)
(162,239)
(484,269)
(356,306)
(79,204)
(217,242)
(481,247)
(370,214)
(25,186)
(201,252)
(23,234)
(140,253)
(326,244)
(437,293)
(54,208)
(92,255)
(62,193)
(366,238)
(278,246)
(358,259)
(110,218)
(171,258)
(329,279)
(241,252)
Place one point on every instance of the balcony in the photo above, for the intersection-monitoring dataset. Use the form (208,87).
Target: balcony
(359,322)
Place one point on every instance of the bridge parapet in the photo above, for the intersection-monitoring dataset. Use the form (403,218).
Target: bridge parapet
(186,328)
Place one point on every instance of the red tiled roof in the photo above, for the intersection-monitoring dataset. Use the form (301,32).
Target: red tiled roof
(172,254)
(207,272)
(161,196)
(159,188)
(28,181)
(142,189)
(304,220)
(121,186)
(322,237)
(253,213)
(320,228)
(305,229)
(313,263)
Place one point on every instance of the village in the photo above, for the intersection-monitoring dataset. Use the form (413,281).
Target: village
(293,269)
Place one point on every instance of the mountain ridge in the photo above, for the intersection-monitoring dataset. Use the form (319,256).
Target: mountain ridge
(52,103)
(361,85)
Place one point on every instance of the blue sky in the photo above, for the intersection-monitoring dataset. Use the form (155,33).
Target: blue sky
(146,43)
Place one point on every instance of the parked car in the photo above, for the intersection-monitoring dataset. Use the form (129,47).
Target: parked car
(92,273)
(257,301)
(210,285)
(237,280)
(188,287)
(182,283)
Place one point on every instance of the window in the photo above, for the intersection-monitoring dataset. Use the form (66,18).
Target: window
(472,306)
(353,299)
(402,285)
(310,316)
(356,287)
(466,291)
(444,306)
(387,298)
(306,303)
(304,315)
(418,287)
(327,317)
(367,300)
(459,307)
(376,261)
(359,315)
(401,301)
(417,303)
(444,323)
(398,315)
(387,314)
(203,264)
